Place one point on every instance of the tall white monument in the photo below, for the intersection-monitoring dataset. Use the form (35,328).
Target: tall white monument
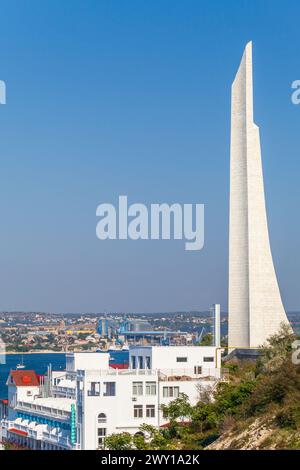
(255,307)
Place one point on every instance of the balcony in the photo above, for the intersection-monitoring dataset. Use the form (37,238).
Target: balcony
(187,375)
(67,392)
(57,439)
(43,410)
(207,373)
(31,432)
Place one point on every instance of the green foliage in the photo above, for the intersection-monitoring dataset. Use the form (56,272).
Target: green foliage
(277,349)
(289,417)
(206,340)
(122,441)
(155,439)
(205,417)
(149,438)
(179,408)
(275,388)
(269,389)
(230,396)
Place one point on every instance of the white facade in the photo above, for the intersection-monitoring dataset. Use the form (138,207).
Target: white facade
(86,360)
(192,359)
(35,421)
(106,400)
(255,307)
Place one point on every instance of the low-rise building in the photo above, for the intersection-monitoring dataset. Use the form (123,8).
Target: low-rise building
(77,408)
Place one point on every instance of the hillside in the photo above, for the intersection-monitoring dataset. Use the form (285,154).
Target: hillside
(257,408)
(269,417)
(258,434)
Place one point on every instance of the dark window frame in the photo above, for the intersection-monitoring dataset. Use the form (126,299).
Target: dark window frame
(181,359)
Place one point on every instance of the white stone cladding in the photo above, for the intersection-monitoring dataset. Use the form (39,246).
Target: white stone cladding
(255,307)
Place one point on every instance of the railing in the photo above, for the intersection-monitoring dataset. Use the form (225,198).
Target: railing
(115,372)
(37,435)
(34,434)
(43,410)
(5,424)
(65,391)
(183,374)
(210,373)
(56,439)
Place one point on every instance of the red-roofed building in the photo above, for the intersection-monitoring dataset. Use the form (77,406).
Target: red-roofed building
(23,385)
(23,378)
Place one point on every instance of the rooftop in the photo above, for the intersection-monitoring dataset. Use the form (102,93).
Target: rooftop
(57,403)
(25,378)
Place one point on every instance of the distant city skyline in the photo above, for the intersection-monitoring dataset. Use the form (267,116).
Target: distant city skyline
(117,98)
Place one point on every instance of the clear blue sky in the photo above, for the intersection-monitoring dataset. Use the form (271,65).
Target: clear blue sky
(113,97)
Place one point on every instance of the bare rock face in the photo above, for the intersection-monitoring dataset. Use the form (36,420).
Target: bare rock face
(256,436)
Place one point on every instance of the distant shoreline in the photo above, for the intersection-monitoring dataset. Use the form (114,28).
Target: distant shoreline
(13,353)
(46,351)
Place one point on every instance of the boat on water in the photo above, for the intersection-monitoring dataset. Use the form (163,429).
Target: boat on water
(21,365)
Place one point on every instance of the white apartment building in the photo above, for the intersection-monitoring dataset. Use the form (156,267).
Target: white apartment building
(77,408)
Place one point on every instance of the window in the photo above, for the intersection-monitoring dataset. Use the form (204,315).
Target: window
(197,370)
(138,411)
(94,390)
(102,418)
(150,388)
(148,362)
(170,392)
(101,434)
(141,362)
(137,388)
(110,389)
(208,359)
(150,411)
(133,362)
(181,359)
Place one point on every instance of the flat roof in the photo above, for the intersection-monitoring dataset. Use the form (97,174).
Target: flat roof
(59,403)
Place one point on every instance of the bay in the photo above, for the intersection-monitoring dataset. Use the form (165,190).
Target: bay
(40,361)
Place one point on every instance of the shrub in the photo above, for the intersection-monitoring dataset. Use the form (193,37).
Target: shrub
(288,418)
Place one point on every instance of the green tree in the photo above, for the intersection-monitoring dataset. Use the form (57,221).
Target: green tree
(206,340)
(122,441)
(179,408)
(157,439)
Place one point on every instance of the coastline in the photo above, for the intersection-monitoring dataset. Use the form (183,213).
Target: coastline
(48,351)
(43,351)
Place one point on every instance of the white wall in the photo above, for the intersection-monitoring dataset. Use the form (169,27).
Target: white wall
(168,357)
(87,360)
(16,394)
(120,408)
